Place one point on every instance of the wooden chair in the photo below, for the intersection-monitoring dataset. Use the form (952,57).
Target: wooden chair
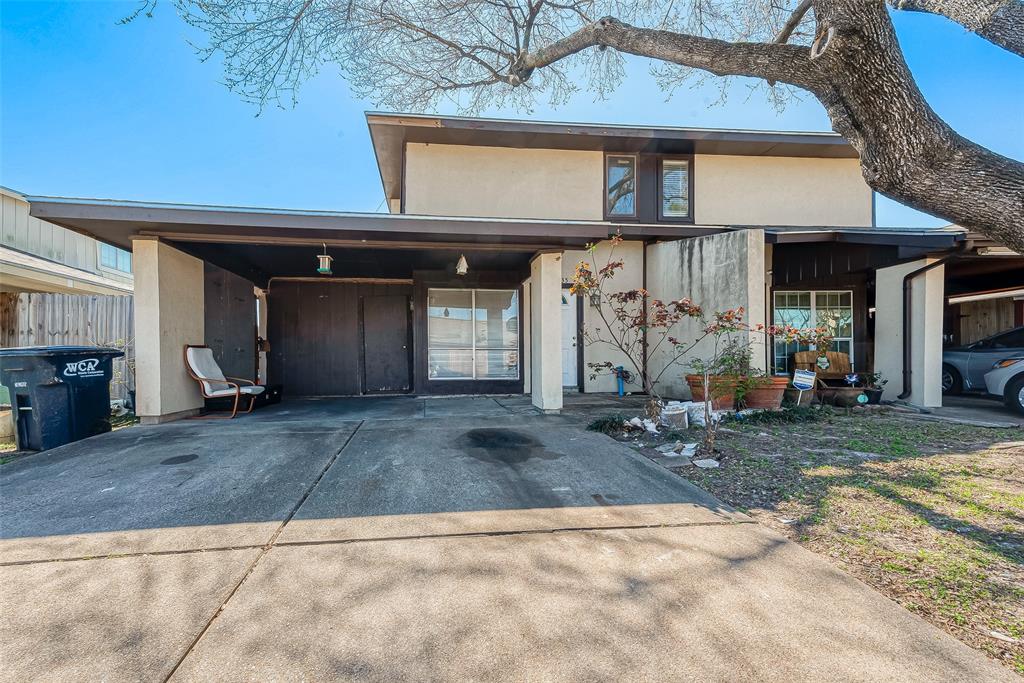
(838,365)
(203,368)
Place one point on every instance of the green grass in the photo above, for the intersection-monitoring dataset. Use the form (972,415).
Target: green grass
(609,424)
(934,520)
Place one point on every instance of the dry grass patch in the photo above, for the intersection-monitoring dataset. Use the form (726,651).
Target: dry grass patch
(930,514)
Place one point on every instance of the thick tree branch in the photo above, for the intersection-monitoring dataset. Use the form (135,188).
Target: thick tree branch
(998,21)
(782,63)
(907,151)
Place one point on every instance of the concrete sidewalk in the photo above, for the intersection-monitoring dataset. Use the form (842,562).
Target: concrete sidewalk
(305,545)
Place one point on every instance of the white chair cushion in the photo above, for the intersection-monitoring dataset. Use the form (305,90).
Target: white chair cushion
(205,367)
(251,391)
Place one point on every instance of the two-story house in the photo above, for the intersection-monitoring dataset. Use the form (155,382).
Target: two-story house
(460,289)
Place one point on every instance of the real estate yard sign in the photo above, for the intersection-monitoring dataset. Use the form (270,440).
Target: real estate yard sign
(803,379)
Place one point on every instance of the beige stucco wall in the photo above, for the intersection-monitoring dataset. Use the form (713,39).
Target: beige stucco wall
(169,308)
(717,272)
(738,190)
(631,276)
(457,180)
(503,182)
(926,332)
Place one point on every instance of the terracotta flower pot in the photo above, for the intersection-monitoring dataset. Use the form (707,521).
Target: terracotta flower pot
(767,396)
(723,390)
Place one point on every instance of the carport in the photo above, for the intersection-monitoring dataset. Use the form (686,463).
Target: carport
(393,316)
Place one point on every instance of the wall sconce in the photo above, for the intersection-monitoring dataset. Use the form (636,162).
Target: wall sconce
(462,267)
(595,300)
(324,262)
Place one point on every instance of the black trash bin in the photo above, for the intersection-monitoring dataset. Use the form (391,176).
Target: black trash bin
(59,394)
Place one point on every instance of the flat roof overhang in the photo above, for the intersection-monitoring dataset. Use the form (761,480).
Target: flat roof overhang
(913,239)
(389,132)
(118,222)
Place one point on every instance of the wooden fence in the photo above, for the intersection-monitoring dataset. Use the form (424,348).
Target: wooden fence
(72,319)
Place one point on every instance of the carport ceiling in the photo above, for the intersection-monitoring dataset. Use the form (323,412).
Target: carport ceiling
(984,273)
(259,263)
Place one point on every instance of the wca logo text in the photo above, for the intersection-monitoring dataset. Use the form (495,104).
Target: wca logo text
(87,367)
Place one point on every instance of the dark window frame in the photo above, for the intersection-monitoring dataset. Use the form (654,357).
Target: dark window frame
(688,218)
(608,216)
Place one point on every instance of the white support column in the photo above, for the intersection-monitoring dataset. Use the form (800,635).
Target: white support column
(169,313)
(546,331)
(925,332)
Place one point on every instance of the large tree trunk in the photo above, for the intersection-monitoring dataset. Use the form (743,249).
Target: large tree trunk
(907,151)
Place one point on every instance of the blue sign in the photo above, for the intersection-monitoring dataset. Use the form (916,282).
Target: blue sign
(803,379)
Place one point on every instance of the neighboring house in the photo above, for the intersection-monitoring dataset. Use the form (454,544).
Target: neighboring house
(779,223)
(60,287)
(38,256)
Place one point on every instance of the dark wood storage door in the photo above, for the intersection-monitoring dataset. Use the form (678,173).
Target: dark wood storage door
(386,357)
(230,321)
(314,338)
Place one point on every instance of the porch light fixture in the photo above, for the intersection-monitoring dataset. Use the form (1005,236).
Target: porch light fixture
(461,268)
(595,300)
(324,261)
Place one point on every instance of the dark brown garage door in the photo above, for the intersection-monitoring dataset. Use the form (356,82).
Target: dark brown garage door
(339,338)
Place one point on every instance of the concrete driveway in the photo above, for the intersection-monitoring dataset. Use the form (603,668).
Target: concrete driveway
(410,539)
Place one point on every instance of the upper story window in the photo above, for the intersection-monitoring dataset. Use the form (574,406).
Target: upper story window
(648,187)
(674,190)
(620,186)
(115,259)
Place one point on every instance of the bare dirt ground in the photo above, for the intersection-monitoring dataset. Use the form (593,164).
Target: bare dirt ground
(930,514)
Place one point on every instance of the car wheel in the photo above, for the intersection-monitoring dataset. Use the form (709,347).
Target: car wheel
(1014,396)
(952,383)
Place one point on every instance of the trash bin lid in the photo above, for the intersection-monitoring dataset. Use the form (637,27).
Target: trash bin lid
(59,351)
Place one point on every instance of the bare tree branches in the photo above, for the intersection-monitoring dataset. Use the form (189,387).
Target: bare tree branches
(478,54)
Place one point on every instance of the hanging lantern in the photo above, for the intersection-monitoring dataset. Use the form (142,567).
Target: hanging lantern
(324,262)
(462,267)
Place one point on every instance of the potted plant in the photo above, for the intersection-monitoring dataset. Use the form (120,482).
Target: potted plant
(734,381)
(874,385)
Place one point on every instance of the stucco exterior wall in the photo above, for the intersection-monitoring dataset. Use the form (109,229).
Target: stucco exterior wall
(630,277)
(717,272)
(927,301)
(169,313)
(738,190)
(501,182)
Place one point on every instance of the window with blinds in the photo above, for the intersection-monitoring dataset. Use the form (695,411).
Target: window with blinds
(675,188)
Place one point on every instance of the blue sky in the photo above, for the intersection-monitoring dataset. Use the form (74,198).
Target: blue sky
(89,108)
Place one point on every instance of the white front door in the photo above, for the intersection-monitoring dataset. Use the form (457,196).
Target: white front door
(569,331)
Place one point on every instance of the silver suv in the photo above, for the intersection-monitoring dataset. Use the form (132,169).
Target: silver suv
(964,367)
